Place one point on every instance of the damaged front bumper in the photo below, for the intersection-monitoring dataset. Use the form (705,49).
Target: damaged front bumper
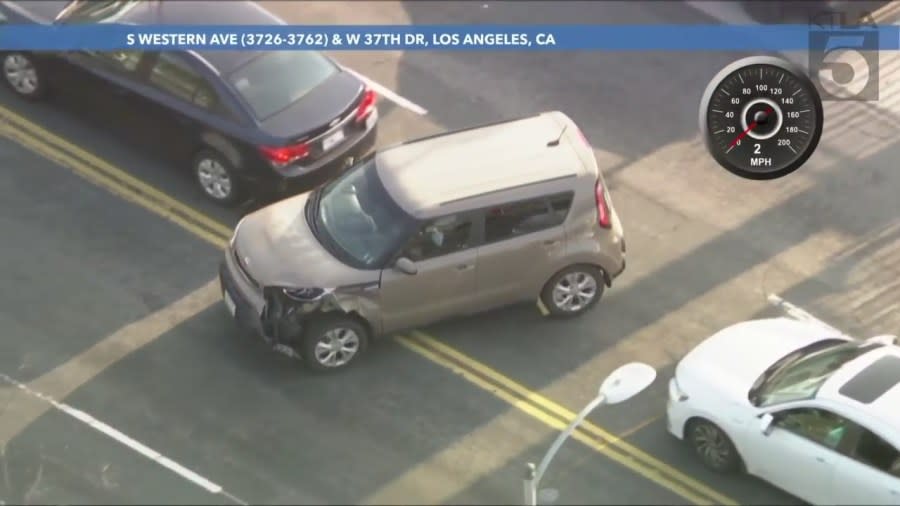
(246,313)
(267,312)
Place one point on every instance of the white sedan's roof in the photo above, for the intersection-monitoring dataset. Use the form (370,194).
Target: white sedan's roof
(870,384)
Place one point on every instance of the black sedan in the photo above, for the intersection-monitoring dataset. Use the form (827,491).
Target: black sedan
(246,123)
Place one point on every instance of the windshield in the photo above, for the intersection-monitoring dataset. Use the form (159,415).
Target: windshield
(94,11)
(276,79)
(799,375)
(359,217)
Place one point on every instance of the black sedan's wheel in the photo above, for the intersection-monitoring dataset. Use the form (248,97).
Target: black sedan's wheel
(22,76)
(334,343)
(216,178)
(713,446)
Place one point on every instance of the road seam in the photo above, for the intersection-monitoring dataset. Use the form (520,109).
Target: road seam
(130,188)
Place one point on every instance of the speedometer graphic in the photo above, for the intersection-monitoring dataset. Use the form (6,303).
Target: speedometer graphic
(761,117)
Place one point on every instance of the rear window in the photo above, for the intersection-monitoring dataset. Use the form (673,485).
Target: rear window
(276,79)
(524,217)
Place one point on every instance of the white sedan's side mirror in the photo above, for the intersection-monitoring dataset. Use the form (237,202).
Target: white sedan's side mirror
(765,423)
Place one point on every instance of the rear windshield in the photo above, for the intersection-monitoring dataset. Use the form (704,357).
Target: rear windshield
(276,79)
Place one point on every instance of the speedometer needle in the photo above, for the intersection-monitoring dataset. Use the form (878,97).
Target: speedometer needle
(751,126)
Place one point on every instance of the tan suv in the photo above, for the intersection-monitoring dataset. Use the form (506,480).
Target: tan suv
(447,225)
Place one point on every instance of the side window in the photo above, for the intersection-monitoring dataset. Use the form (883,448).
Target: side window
(876,452)
(176,78)
(120,61)
(559,207)
(440,237)
(818,425)
(524,217)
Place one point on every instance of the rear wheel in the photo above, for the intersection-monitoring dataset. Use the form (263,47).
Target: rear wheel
(334,343)
(573,290)
(22,76)
(217,179)
(713,446)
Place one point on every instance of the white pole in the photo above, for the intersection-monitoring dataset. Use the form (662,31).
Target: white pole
(532,484)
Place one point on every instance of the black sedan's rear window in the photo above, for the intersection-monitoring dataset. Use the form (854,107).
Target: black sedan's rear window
(276,79)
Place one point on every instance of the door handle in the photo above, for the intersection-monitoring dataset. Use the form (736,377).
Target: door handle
(464,267)
(551,242)
(820,459)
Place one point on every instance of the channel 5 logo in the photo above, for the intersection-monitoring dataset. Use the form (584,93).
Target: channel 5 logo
(843,55)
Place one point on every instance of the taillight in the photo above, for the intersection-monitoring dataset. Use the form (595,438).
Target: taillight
(604,217)
(366,105)
(285,154)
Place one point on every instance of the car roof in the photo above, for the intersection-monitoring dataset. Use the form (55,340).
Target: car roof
(425,174)
(869,384)
(205,12)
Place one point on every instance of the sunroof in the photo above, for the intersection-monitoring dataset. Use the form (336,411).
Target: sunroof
(873,381)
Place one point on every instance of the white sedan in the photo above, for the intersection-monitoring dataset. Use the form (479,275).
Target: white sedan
(811,411)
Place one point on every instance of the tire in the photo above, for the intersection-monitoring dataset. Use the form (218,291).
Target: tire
(713,447)
(553,294)
(315,352)
(22,75)
(216,178)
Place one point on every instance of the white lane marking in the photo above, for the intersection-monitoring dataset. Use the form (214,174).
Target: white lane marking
(798,313)
(129,442)
(388,93)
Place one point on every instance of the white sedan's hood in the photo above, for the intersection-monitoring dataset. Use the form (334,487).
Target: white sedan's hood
(731,360)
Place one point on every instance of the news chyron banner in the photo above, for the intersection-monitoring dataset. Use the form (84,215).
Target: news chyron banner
(108,37)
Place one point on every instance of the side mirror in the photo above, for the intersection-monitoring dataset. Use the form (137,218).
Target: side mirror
(406,266)
(765,423)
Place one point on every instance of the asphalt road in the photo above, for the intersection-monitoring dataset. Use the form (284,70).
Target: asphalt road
(112,309)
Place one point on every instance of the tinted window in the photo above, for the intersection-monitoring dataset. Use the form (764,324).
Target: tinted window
(276,79)
(121,61)
(178,79)
(876,452)
(440,237)
(818,425)
(559,207)
(518,218)
(873,381)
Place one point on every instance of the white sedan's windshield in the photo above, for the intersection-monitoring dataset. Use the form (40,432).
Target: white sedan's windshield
(358,215)
(802,376)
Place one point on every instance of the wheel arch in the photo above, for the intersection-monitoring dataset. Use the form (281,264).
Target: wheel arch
(695,419)
(219,144)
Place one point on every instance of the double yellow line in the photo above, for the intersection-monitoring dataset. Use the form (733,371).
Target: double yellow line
(117,181)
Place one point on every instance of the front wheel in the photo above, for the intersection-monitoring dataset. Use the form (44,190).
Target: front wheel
(573,290)
(217,179)
(21,74)
(713,447)
(334,343)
